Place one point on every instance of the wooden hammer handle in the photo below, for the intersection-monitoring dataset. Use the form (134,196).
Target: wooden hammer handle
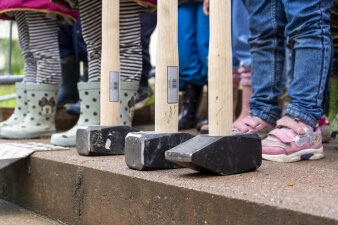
(110,63)
(166,109)
(220,69)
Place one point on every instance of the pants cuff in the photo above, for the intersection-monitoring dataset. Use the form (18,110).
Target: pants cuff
(309,119)
(268,117)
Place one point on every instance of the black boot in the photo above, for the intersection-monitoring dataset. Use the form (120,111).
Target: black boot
(191,99)
(68,92)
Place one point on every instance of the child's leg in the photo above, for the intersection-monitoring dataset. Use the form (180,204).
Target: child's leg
(192,68)
(240,32)
(130,57)
(91,18)
(29,60)
(245,73)
(236,78)
(148,25)
(267,23)
(130,41)
(145,94)
(310,38)
(21,109)
(240,35)
(41,95)
(295,137)
(45,47)
(203,41)
(131,65)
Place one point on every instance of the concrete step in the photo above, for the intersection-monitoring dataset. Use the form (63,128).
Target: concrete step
(102,190)
(11,214)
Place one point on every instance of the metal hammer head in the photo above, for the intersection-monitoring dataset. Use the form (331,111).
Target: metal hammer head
(220,155)
(145,150)
(102,140)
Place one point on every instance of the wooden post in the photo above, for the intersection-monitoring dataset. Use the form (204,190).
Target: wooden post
(166,85)
(110,64)
(220,69)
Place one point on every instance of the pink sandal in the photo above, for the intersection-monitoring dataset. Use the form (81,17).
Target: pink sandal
(292,141)
(252,124)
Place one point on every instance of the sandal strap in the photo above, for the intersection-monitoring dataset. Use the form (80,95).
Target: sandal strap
(248,122)
(241,127)
(281,135)
(291,124)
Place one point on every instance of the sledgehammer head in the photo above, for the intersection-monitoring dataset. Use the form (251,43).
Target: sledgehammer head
(102,140)
(145,150)
(220,155)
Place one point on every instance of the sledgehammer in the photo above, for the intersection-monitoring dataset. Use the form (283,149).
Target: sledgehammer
(109,138)
(145,150)
(219,152)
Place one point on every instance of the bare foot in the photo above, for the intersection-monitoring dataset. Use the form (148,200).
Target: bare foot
(243,114)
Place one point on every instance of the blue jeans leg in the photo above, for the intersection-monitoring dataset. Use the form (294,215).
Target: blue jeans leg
(190,65)
(240,34)
(267,23)
(202,43)
(309,36)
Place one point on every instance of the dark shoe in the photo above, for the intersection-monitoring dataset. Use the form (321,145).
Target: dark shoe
(191,99)
(204,131)
(68,92)
(202,123)
(73,109)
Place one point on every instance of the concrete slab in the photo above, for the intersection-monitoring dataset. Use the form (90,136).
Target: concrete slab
(102,190)
(11,214)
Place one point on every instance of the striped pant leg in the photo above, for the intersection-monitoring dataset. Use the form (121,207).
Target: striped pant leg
(29,61)
(130,38)
(130,41)
(91,19)
(43,42)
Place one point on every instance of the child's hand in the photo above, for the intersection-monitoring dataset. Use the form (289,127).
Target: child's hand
(206,7)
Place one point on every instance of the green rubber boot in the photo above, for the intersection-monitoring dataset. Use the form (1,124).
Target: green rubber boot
(40,120)
(20,110)
(128,92)
(90,113)
(333,107)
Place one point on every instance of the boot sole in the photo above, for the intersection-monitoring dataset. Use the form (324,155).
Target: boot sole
(64,142)
(29,136)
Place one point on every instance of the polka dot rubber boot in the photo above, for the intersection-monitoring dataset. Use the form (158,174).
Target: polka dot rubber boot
(128,92)
(40,120)
(21,108)
(89,115)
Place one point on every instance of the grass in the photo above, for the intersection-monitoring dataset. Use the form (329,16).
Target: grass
(5,90)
